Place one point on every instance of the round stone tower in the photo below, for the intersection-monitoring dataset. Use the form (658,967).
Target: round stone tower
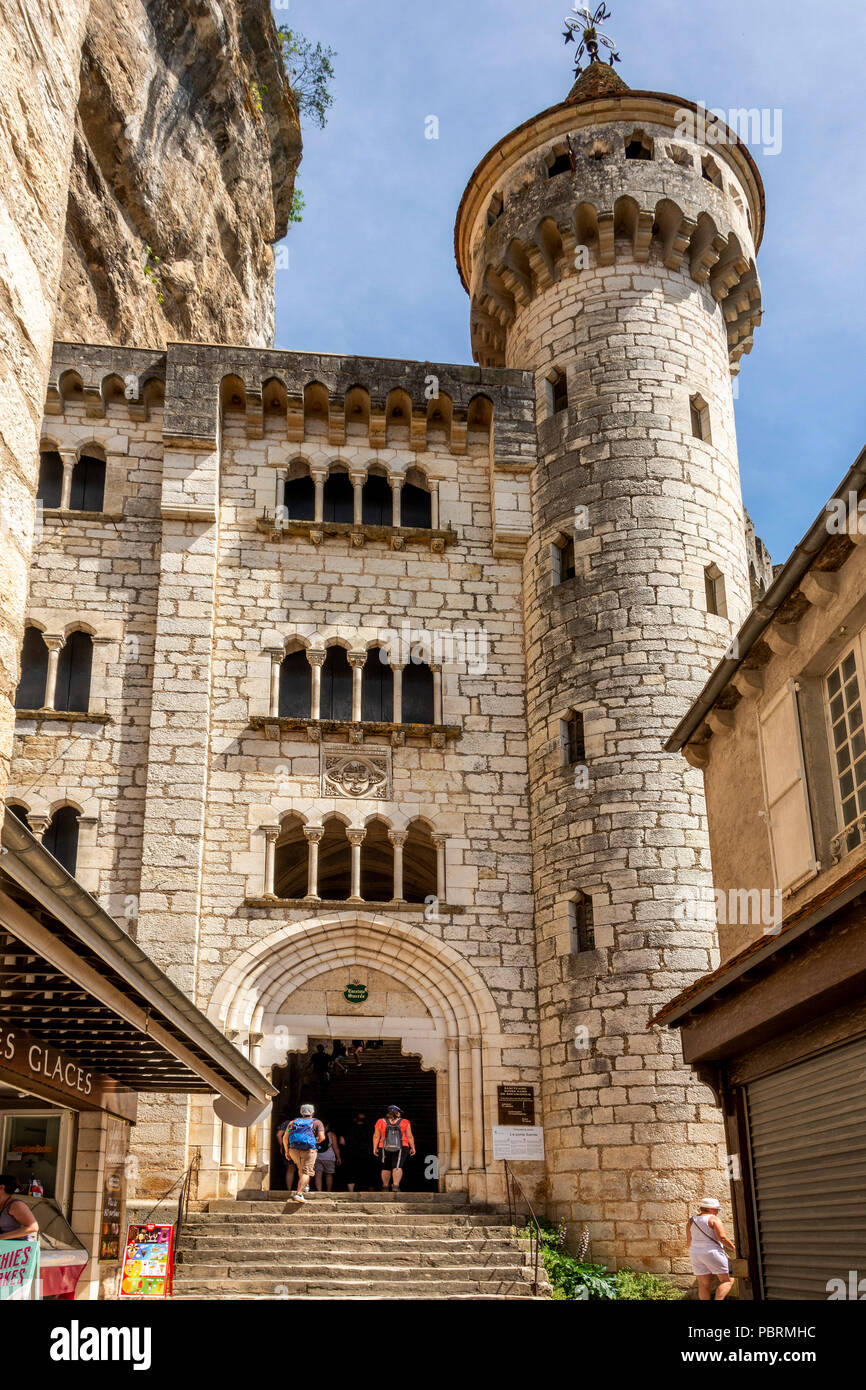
(608,245)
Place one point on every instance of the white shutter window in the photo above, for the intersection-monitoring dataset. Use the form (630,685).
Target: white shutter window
(786,791)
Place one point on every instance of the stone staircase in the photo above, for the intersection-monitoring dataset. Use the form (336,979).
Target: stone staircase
(354,1245)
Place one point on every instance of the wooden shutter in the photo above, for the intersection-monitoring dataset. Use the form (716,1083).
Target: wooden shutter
(807,1134)
(786,791)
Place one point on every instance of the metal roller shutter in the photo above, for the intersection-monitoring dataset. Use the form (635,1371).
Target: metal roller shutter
(807,1127)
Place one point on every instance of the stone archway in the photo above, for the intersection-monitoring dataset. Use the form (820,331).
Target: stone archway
(456,1031)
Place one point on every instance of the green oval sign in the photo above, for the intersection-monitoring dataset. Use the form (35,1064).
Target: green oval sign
(355,992)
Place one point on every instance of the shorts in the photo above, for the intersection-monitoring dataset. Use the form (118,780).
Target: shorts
(326,1163)
(393,1158)
(710,1262)
(304,1160)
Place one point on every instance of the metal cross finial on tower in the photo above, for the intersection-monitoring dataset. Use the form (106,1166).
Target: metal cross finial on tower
(590,35)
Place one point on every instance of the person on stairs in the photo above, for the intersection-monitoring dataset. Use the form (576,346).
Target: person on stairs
(301,1139)
(393,1143)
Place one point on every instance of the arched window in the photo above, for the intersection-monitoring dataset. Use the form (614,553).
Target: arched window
(88,485)
(415,502)
(296,686)
(339,497)
(377,501)
(573,740)
(50,489)
(377,687)
(377,864)
(336,701)
(335,862)
(299,494)
(34,671)
(61,837)
(74,667)
(290,859)
(699,417)
(639,146)
(419,864)
(418,699)
(19,812)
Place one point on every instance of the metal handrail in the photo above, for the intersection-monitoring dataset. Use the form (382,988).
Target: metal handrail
(514,1191)
(189,1176)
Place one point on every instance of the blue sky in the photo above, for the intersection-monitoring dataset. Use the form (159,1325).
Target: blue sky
(371,267)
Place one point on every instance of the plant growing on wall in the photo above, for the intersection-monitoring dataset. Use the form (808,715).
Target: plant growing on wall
(309,70)
(152,272)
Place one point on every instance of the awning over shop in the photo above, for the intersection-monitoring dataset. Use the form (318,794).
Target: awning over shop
(79,998)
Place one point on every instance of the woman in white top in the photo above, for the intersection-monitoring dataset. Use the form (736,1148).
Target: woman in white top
(707,1244)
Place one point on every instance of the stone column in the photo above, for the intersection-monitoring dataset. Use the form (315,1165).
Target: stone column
(54,642)
(319,477)
(271,834)
(437,694)
(39,825)
(434,505)
(398,693)
(70,458)
(357,661)
(454,1103)
(356,839)
(398,840)
(396,501)
(317,661)
(477,1106)
(313,834)
(276,654)
(358,480)
(255,1053)
(441,875)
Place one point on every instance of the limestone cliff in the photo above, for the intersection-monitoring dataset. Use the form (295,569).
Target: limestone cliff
(186,142)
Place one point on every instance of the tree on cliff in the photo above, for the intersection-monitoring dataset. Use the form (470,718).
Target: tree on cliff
(309,70)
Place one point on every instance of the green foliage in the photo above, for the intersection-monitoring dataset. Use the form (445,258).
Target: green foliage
(152,273)
(630,1284)
(572,1278)
(298,205)
(309,70)
(257,92)
(578,1279)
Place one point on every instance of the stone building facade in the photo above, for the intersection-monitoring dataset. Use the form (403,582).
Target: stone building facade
(545,554)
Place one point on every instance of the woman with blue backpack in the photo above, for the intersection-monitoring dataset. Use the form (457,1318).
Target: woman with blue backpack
(300,1138)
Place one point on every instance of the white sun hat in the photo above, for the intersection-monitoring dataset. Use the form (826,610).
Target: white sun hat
(711,1203)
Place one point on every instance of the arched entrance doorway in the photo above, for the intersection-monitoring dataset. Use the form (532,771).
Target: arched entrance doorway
(348,1077)
(292,985)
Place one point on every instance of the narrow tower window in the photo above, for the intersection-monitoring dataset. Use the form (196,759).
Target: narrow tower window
(87,492)
(562,554)
(573,741)
(74,667)
(496,209)
(710,171)
(582,926)
(61,837)
(699,413)
(714,583)
(556,392)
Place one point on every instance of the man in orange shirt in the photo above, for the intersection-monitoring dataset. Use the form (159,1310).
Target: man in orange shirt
(393,1142)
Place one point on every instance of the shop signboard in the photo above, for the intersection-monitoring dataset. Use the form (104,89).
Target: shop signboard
(147,1262)
(19,1269)
(57,1076)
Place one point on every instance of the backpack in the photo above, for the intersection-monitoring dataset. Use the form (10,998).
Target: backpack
(302,1135)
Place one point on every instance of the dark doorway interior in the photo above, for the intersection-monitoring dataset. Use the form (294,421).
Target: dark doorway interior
(366,1081)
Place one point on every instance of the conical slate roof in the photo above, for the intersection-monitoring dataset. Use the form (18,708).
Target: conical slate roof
(598,80)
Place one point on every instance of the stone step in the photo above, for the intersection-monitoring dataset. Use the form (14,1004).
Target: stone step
(341,1246)
(370,1273)
(203,1264)
(304,1213)
(442,1286)
(264,1211)
(250,1201)
(215,1295)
